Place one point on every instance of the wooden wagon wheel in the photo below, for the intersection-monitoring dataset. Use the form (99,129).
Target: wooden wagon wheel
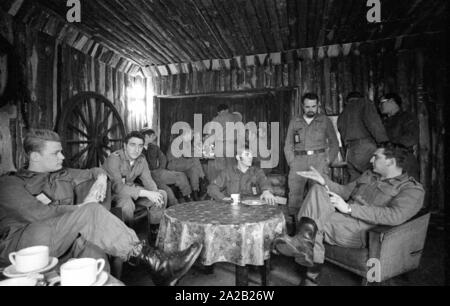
(91,129)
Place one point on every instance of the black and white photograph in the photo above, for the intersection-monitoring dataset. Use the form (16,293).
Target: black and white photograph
(231,150)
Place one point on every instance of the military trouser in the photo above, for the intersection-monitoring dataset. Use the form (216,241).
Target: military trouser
(87,231)
(128,206)
(177,178)
(193,170)
(358,159)
(297,183)
(333,227)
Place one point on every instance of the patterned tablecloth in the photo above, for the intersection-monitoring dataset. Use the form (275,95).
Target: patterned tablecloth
(239,234)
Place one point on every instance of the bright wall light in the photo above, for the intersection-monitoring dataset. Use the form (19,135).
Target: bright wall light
(136,98)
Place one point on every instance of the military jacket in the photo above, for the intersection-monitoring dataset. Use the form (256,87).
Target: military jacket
(123,176)
(232,180)
(382,201)
(319,134)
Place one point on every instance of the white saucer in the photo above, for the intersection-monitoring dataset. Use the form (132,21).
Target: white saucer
(12,272)
(102,278)
(253,202)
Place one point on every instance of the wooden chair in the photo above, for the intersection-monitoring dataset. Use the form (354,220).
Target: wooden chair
(398,249)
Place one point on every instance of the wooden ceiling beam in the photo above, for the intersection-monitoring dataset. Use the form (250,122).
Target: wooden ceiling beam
(262,18)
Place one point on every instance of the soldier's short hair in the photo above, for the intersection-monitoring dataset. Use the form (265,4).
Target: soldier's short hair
(222,107)
(397,151)
(148,132)
(310,96)
(35,140)
(354,95)
(133,134)
(393,96)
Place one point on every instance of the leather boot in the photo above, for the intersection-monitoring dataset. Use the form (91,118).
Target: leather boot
(195,195)
(301,245)
(167,268)
(312,276)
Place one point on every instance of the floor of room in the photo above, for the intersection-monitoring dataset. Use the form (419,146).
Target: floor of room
(284,271)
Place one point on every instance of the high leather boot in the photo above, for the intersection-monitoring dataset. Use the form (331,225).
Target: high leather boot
(312,276)
(167,268)
(301,245)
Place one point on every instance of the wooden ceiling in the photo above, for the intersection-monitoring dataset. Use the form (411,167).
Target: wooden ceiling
(157,32)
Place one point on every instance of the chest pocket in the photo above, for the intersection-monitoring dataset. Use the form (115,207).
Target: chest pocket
(62,191)
(298,135)
(384,194)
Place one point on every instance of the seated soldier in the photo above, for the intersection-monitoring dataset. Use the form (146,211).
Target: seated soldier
(37,208)
(385,195)
(191,166)
(124,167)
(157,162)
(242,179)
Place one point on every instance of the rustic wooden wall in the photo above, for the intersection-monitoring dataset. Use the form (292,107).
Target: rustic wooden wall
(417,74)
(49,73)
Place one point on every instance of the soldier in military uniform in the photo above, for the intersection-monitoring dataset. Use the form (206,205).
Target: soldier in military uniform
(190,166)
(342,215)
(37,207)
(157,162)
(402,127)
(361,130)
(310,141)
(124,167)
(243,179)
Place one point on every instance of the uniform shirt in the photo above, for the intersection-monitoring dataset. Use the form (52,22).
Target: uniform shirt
(381,201)
(155,157)
(19,193)
(232,180)
(360,120)
(402,128)
(123,175)
(320,134)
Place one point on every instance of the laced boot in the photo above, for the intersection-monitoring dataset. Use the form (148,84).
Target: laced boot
(167,268)
(301,245)
(312,276)
(195,195)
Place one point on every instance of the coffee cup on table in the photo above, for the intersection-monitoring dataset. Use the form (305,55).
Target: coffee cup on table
(235,197)
(30,259)
(81,272)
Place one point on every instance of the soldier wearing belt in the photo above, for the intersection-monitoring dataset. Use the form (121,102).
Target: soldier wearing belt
(308,138)
(361,130)
(37,208)
(242,179)
(402,127)
(124,167)
(157,162)
(342,215)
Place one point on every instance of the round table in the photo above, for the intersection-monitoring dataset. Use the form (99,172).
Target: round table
(239,234)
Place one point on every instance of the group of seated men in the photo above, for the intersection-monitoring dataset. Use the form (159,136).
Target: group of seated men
(37,206)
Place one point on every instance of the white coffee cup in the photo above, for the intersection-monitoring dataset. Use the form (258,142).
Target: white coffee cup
(30,259)
(81,271)
(235,197)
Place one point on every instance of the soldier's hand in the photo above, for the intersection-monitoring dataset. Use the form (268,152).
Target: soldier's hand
(338,202)
(268,197)
(312,174)
(155,197)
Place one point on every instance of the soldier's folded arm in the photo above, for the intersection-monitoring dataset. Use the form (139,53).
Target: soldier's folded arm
(146,177)
(217,186)
(14,197)
(263,182)
(399,210)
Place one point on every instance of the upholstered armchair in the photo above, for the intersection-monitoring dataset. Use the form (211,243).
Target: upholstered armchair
(398,249)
